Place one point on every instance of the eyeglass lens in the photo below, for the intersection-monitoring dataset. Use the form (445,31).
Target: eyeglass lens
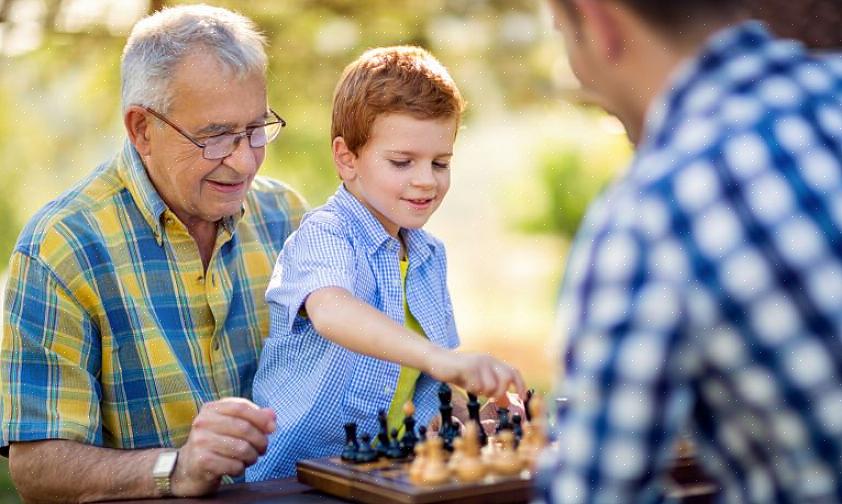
(220,146)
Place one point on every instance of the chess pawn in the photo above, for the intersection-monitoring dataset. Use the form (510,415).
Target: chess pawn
(470,468)
(507,462)
(528,449)
(435,470)
(394,450)
(456,456)
(416,468)
(366,453)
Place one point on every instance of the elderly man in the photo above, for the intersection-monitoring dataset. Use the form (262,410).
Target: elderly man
(704,291)
(135,312)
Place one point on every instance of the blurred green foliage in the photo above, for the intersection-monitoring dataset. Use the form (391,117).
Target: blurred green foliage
(59,103)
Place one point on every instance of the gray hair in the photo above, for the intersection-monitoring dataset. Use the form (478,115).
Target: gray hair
(158,43)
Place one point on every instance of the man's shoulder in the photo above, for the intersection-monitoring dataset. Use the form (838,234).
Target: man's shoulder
(73,215)
(271,193)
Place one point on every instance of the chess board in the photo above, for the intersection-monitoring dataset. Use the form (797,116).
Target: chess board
(387,481)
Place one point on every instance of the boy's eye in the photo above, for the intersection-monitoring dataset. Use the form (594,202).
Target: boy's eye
(442,165)
(400,163)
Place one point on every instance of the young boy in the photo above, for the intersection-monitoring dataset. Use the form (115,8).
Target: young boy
(361,318)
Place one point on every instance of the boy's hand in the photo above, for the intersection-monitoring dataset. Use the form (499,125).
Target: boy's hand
(480,374)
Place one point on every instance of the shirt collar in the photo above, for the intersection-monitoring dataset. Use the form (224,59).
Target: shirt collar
(419,244)
(722,47)
(133,173)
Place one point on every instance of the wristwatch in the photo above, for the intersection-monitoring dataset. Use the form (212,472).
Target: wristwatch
(163,469)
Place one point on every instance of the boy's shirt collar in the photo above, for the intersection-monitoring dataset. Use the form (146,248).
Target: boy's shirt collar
(418,243)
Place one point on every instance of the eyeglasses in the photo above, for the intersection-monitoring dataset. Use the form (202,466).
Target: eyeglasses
(221,146)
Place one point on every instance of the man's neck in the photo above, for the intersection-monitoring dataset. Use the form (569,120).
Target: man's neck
(204,234)
(650,70)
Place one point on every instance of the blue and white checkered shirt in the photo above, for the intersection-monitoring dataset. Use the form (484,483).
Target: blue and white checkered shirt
(314,385)
(704,291)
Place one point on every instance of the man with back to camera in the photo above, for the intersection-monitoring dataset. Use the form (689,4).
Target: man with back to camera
(704,290)
(135,312)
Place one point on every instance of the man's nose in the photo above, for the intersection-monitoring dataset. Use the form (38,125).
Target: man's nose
(244,158)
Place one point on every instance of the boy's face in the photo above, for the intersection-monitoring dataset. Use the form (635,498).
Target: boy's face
(403,172)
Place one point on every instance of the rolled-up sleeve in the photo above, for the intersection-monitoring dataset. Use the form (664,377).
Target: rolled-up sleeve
(318,255)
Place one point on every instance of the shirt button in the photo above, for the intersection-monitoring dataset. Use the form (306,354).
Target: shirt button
(201,279)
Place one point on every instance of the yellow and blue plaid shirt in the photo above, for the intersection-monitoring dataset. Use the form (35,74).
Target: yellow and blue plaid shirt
(114,334)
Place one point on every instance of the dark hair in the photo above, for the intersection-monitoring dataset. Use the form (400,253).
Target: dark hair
(817,23)
(672,14)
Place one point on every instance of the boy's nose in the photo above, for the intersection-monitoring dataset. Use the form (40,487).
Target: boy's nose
(424,176)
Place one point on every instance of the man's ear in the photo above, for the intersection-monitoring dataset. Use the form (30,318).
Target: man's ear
(344,159)
(138,128)
(601,26)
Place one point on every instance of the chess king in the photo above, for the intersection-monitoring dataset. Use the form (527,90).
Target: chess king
(361,317)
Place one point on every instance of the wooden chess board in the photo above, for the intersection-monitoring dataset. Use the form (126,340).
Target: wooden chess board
(387,481)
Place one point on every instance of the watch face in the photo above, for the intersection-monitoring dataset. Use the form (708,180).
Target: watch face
(165,463)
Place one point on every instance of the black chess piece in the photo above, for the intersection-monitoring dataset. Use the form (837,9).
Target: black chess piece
(448,430)
(409,438)
(503,420)
(473,414)
(394,451)
(349,453)
(422,434)
(365,454)
(529,394)
(517,428)
(383,435)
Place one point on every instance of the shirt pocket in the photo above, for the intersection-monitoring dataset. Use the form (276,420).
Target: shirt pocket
(371,387)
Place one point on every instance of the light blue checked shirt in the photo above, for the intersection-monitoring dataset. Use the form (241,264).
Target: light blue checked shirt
(314,385)
(704,291)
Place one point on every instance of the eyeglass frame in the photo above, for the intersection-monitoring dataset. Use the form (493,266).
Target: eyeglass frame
(238,134)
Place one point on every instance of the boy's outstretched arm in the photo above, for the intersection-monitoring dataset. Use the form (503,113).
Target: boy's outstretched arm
(346,320)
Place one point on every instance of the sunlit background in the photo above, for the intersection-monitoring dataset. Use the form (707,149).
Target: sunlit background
(527,160)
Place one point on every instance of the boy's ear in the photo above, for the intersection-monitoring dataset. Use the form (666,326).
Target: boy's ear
(344,160)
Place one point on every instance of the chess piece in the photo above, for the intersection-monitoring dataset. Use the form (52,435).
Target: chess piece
(365,454)
(517,428)
(394,451)
(503,420)
(526,410)
(416,468)
(448,429)
(539,422)
(473,414)
(383,434)
(349,453)
(409,438)
(528,449)
(435,470)
(507,462)
(456,456)
(471,468)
